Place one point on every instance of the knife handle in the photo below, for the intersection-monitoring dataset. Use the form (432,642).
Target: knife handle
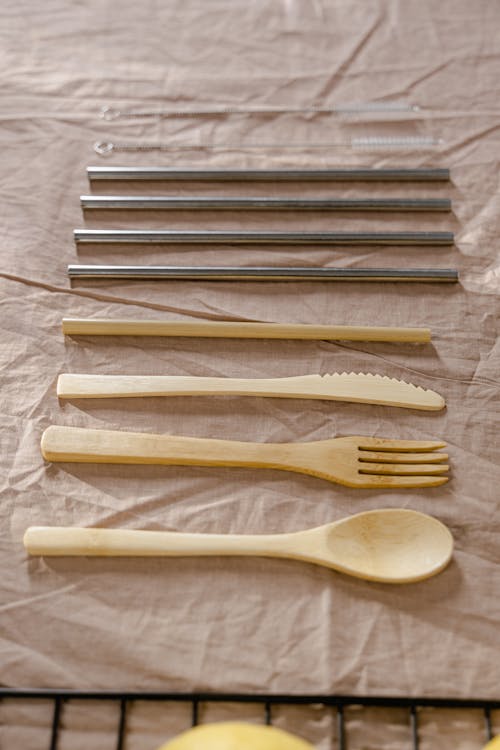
(71,385)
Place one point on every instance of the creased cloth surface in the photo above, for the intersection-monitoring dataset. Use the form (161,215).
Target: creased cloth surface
(245,624)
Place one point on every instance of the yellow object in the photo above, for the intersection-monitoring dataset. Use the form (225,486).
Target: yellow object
(391,545)
(360,388)
(355,461)
(240,330)
(236,736)
(493,744)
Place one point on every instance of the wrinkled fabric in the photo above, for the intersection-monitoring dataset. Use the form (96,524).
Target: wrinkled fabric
(255,625)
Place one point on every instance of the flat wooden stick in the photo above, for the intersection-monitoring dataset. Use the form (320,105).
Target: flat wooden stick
(216,329)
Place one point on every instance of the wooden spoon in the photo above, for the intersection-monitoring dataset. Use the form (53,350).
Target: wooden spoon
(388,545)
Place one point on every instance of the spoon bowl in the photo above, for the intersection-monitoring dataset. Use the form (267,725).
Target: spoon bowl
(390,545)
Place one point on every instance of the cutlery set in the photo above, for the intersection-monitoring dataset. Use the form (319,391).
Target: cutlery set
(387,545)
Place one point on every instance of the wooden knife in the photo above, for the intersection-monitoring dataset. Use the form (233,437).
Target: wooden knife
(361,388)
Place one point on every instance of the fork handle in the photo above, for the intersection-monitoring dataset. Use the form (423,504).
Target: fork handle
(81,445)
(59,541)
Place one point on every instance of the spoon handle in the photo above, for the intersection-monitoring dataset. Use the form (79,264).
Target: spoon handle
(73,541)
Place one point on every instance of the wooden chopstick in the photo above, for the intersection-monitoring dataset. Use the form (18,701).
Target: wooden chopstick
(223,329)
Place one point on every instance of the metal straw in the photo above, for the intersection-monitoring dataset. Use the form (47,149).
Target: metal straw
(309,204)
(290,175)
(262,274)
(257,238)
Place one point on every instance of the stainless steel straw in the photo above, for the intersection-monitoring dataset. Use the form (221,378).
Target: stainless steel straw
(290,175)
(258,238)
(213,273)
(141,202)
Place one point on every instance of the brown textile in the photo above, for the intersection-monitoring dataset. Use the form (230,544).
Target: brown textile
(255,624)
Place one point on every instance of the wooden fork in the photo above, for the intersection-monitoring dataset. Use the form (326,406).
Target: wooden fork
(352,461)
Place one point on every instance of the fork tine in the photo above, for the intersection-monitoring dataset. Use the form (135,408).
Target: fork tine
(385,444)
(402,469)
(367,481)
(404,458)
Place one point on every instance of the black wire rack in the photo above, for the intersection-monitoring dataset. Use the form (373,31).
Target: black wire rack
(338,702)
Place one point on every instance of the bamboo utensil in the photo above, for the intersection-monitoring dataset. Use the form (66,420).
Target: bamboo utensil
(225,237)
(357,388)
(418,174)
(388,545)
(241,330)
(356,461)
(218,273)
(142,202)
